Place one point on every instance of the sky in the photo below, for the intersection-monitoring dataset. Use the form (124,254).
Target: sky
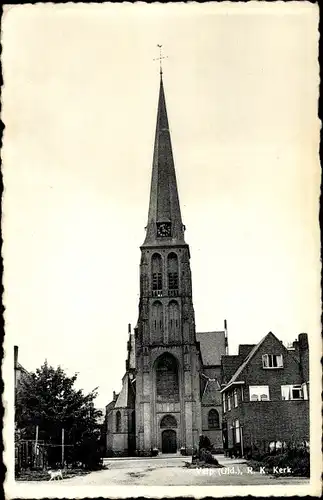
(79,105)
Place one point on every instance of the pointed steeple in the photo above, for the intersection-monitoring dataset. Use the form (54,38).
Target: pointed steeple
(164,217)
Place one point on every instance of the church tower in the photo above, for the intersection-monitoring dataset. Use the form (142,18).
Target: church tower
(168,359)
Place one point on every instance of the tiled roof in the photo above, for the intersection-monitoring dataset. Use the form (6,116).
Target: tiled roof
(230,364)
(253,351)
(212,345)
(245,349)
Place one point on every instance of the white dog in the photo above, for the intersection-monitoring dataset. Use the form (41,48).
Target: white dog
(55,474)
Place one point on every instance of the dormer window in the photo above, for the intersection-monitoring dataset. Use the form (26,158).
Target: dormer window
(272,361)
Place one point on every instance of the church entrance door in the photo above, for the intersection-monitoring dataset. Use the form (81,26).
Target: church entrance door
(169,442)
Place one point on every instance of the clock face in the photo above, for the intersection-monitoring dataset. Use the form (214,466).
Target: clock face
(163,229)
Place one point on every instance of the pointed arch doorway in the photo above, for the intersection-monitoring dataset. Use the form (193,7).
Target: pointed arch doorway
(168,425)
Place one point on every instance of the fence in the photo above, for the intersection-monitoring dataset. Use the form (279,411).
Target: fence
(30,454)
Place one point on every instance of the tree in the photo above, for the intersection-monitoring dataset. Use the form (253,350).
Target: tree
(47,398)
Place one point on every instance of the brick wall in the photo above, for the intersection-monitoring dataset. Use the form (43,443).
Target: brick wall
(274,420)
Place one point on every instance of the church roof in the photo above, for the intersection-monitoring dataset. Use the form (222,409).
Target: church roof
(164,201)
(212,346)
(122,400)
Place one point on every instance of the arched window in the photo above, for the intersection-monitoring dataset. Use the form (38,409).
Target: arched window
(157,322)
(172,270)
(156,274)
(213,419)
(168,421)
(173,320)
(167,387)
(118,421)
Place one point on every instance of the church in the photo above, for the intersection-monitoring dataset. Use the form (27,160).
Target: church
(171,387)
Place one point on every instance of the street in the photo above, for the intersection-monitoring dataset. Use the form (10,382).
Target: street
(171,471)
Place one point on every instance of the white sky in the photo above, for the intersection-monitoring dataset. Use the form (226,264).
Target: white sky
(79,105)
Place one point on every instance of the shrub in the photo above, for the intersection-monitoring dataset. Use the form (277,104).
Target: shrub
(204,442)
(207,457)
(297,459)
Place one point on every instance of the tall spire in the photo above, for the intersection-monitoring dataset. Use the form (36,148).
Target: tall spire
(164,217)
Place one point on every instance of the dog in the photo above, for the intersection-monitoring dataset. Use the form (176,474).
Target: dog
(55,474)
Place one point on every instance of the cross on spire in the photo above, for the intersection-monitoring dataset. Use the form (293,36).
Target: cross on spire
(160,58)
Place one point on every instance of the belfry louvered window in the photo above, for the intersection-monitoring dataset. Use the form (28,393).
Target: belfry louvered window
(156,273)
(172,267)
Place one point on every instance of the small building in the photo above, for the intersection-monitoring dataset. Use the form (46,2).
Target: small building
(213,345)
(265,396)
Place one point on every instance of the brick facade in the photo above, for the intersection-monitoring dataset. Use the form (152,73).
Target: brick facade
(275,419)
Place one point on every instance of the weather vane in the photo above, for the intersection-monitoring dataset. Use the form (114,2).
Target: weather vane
(160,58)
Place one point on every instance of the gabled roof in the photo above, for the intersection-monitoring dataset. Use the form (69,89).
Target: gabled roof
(238,373)
(212,346)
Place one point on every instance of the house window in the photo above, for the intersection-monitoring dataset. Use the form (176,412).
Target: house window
(224,403)
(213,419)
(229,402)
(235,398)
(305,393)
(291,392)
(259,392)
(272,361)
(118,421)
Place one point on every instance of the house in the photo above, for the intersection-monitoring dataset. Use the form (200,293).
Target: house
(20,372)
(265,395)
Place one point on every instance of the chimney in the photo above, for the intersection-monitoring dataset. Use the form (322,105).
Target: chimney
(304,355)
(303,341)
(15,356)
(226,337)
(129,328)
(114,398)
